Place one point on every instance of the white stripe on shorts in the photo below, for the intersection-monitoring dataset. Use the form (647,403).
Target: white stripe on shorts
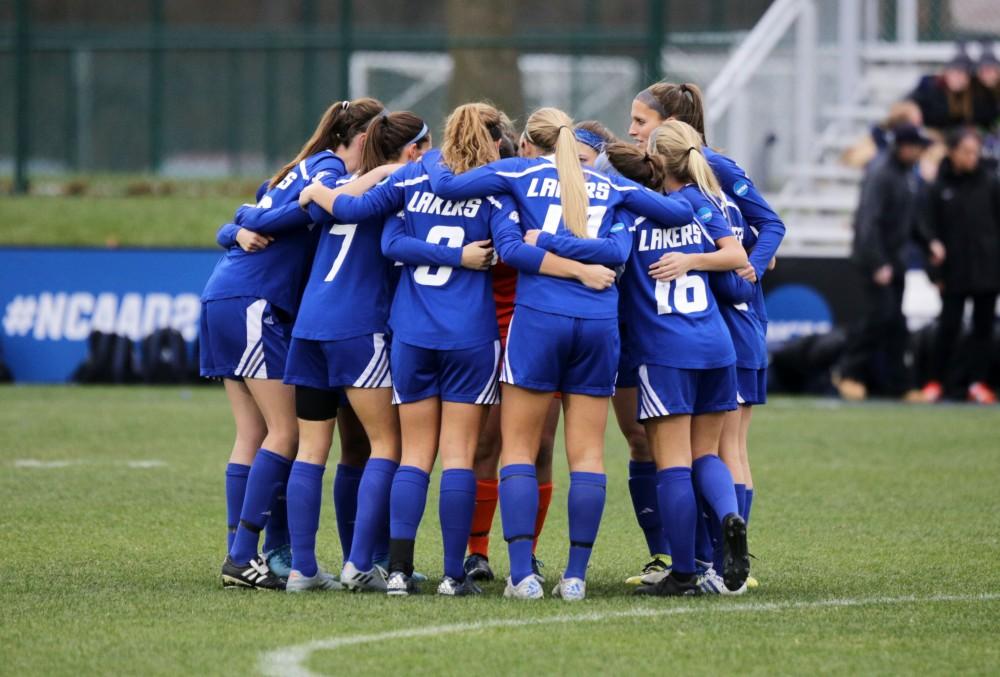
(650,405)
(506,373)
(377,367)
(253,354)
(489,393)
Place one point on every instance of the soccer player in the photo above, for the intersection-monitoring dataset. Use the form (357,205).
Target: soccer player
(686,358)
(564,336)
(249,305)
(650,107)
(338,342)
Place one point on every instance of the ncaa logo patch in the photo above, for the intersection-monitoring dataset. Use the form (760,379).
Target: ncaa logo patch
(704,214)
(741,188)
(617,227)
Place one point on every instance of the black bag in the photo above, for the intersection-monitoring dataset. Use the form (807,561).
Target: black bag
(164,357)
(110,359)
(803,365)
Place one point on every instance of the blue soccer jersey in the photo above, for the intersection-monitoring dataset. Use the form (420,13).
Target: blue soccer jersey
(277,273)
(350,284)
(742,312)
(673,323)
(438,304)
(533,185)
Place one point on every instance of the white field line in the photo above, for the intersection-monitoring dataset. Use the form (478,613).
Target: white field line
(290,661)
(38,464)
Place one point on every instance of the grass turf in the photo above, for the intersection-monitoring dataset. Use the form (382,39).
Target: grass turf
(114,569)
(142,221)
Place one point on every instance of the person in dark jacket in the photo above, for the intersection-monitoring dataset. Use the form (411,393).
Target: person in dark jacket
(963,213)
(946,99)
(884,224)
(986,90)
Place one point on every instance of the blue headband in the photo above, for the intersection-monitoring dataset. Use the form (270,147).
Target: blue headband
(589,138)
(422,134)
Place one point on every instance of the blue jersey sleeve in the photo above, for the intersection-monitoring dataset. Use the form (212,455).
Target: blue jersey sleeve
(272,221)
(226,236)
(508,239)
(262,189)
(669,210)
(756,210)
(713,221)
(384,199)
(478,182)
(730,288)
(413,251)
(610,249)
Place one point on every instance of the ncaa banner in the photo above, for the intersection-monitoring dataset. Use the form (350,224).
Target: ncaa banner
(52,299)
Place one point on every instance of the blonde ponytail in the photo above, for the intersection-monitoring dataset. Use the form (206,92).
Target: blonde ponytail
(680,147)
(470,137)
(552,130)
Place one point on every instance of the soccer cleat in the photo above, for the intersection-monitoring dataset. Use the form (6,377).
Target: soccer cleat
(452,588)
(711,583)
(980,393)
(383,564)
(752,583)
(671,586)
(400,585)
(570,589)
(536,568)
(655,569)
(477,567)
(933,391)
(736,556)
(279,561)
(253,574)
(529,588)
(298,582)
(355,580)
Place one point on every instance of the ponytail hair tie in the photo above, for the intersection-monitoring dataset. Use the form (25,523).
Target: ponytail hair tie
(692,148)
(344,105)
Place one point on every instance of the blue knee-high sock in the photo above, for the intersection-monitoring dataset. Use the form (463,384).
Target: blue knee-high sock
(747,505)
(704,539)
(407,501)
(236,489)
(518,493)
(713,528)
(455,508)
(741,499)
(268,473)
(587,492)
(678,510)
(642,487)
(715,485)
(345,504)
(305,499)
(372,525)
(276,534)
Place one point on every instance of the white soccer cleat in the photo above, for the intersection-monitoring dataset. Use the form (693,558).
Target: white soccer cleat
(570,589)
(529,588)
(354,579)
(711,583)
(449,587)
(399,585)
(297,582)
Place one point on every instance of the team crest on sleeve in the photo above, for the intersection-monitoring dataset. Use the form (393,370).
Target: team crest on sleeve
(704,214)
(741,188)
(515,217)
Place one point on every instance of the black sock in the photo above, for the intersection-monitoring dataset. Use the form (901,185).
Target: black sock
(401,555)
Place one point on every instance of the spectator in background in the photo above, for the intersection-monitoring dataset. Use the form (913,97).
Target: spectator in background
(963,213)
(946,99)
(884,224)
(986,90)
(865,150)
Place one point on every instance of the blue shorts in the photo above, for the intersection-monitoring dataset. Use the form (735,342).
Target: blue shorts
(555,353)
(665,391)
(468,375)
(358,362)
(751,386)
(243,337)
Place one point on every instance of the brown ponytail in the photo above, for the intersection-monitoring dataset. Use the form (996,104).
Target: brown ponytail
(470,137)
(388,135)
(552,130)
(682,102)
(338,125)
(634,163)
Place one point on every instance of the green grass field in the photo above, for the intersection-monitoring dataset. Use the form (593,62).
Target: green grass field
(874,529)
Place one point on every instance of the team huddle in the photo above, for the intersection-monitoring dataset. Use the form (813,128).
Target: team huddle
(452,303)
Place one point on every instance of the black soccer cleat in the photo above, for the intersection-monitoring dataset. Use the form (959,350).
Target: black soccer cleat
(477,567)
(736,554)
(671,586)
(254,574)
